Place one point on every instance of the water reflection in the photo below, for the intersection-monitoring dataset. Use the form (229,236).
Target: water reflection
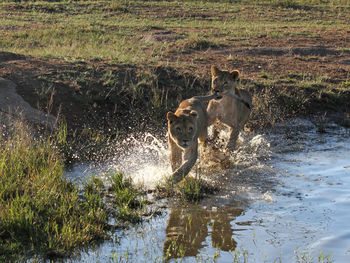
(191,229)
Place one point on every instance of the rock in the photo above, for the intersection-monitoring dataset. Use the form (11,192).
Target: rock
(12,104)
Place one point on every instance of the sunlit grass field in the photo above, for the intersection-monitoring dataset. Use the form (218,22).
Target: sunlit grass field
(118,30)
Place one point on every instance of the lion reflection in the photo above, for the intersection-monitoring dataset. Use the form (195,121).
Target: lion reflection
(187,231)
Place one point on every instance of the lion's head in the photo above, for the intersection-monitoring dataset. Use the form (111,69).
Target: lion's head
(183,128)
(222,80)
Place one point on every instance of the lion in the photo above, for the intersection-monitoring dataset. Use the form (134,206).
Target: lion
(233,109)
(186,126)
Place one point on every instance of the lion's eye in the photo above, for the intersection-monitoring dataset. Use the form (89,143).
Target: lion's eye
(190,129)
(178,129)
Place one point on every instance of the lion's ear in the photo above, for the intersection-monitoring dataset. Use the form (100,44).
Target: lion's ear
(234,74)
(171,116)
(194,114)
(214,70)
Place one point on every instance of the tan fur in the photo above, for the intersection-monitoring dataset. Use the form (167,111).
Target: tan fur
(188,124)
(234,107)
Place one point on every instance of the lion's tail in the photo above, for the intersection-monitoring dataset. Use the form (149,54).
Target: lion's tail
(214,96)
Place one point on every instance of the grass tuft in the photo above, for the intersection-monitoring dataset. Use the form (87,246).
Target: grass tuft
(195,189)
(125,192)
(190,189)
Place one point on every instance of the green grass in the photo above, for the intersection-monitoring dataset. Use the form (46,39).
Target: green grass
(40,210)
(116,30)
(127,198)
(41,213)
(305,257)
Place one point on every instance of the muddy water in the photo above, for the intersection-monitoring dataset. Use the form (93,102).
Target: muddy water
(284,195)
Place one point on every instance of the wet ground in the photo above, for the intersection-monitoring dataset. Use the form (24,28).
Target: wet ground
(284,198)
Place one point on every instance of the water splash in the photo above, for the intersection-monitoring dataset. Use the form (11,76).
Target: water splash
(142,157)
(145,159)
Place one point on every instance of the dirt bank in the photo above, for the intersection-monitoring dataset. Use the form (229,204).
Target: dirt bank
(113,97)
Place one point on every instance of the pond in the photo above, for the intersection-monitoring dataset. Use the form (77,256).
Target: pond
(285,197)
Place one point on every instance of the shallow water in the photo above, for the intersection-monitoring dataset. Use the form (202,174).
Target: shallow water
(286,195)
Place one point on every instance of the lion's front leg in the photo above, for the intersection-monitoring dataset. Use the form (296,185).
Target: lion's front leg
(175,154)
(190,157)
(231,145)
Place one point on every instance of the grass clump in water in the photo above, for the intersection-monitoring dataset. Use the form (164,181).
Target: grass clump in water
(126,197)
(190,189)
(195,189)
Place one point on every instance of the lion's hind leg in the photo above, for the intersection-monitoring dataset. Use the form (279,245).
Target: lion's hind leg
(214,134)
(232,141)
